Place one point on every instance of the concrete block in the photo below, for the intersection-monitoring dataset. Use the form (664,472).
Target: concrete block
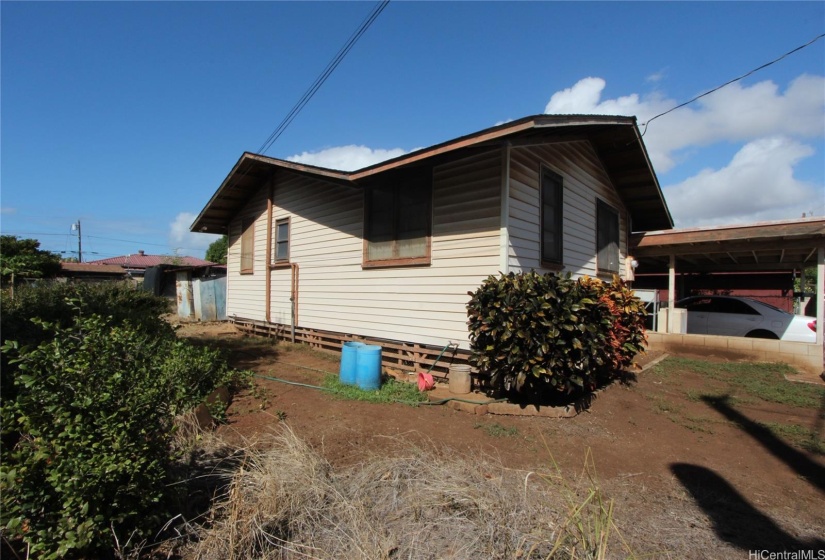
(741,344)
(717,342)
(764,345)
(794,348)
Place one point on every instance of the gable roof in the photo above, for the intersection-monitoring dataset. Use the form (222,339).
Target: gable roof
(616,140)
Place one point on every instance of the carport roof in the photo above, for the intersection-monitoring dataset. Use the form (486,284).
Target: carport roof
(779,245)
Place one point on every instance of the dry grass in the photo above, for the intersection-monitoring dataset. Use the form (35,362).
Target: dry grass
(285,501)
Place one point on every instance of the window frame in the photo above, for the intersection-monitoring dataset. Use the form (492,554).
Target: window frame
(276,240)
(247,256)
(396,183)
(601,208)
(556,261)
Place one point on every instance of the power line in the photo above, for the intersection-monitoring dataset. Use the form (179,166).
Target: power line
(319,81)
(799,48)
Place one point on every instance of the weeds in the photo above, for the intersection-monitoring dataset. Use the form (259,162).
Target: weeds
(763,381)
(285,501)
(799,436)
(497,430)
(586,528)
(391,391)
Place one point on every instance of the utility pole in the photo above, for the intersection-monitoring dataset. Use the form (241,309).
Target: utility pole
(76,226)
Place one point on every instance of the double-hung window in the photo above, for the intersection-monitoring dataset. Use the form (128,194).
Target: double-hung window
(551,218)
(607,238)
(397,221)
(281,253)
(247,245)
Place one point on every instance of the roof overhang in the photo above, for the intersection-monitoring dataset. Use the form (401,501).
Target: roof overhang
(616,140)
(778,245)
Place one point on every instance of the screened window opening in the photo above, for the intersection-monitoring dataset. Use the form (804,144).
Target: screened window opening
(397,222)
(282,240)
(551,217)
(607,238)
(247,246)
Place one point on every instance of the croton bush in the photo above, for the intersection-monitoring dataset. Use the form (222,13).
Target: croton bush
(539,334)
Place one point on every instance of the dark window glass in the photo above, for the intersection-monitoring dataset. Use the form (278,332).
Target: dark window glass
(397,228)
(607,238)
(551,217)
(282,240)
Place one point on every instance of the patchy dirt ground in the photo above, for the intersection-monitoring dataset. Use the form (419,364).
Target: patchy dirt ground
(690,477)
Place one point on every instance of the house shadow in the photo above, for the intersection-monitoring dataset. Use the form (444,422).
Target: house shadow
(735,520)
(797,460)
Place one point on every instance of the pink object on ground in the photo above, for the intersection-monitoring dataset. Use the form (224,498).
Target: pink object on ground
(425,381)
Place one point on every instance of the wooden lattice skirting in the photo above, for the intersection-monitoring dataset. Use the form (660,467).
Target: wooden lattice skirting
(406,356)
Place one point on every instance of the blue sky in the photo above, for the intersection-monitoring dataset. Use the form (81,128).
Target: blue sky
(128,115)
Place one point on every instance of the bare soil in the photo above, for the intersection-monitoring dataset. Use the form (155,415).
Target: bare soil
(690,477)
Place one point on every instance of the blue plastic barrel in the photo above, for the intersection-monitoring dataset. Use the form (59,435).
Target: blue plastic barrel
(368,367)
(349,361)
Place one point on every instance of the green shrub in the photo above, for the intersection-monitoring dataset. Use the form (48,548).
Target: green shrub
(545,334)
(87,436)
(56,302)
(60,303)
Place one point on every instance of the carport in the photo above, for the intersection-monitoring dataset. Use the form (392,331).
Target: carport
(767,246)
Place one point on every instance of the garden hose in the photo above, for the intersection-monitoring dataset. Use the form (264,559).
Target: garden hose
(413,403)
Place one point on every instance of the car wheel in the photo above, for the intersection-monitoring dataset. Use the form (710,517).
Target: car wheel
(762,334)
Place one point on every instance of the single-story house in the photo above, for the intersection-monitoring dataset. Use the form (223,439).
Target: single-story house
(390,251)
(136,264)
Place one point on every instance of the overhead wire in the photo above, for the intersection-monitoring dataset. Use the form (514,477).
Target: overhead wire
(729,82)
(319,81)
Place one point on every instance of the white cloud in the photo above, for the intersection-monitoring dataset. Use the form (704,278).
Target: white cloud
(187,241)
(7,210)
(346,158)
(757,185)
(735,113)
(657,76)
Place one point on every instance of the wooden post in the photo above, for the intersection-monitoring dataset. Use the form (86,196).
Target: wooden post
(671,292)
(820,294)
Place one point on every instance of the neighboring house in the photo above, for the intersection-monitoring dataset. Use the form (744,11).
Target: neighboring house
(136,264)
(390,251)
(92,273)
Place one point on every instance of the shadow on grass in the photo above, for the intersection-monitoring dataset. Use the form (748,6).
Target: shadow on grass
(244,352)
(539,394)
(734,519)
(803,465)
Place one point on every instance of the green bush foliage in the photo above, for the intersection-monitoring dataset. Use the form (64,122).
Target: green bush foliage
(86,438)
(56,302)
(60,303)
(540,334)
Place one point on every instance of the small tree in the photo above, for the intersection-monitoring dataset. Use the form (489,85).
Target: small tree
(216,252)
(24,258)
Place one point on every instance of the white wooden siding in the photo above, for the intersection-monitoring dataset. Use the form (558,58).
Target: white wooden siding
(422,303)
(585,181)
(245,293)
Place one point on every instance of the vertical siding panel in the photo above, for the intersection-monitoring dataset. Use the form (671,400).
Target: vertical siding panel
(585,181)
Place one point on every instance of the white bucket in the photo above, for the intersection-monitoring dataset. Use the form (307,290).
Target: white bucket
(460,381)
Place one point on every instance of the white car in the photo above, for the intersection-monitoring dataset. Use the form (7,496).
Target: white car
(738,316)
